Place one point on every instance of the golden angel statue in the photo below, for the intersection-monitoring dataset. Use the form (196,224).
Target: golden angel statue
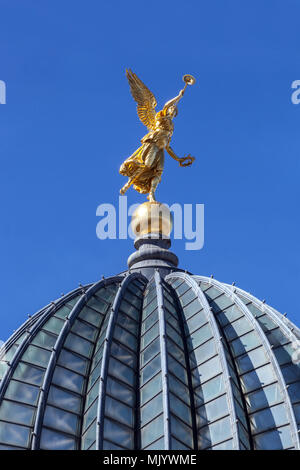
(145,166)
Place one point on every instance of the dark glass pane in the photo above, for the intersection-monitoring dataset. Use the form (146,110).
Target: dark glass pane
(90,415)
(179,388)
(175,282)
(174,336)
(294,392)
(97,304)
(181,431)
(151,409)
(176,352)
(151,388)
(157,445)
(266,323)
(245,343)
(14,434)
(208,369)
(16,413)
(45,340)
(36,356)
(274,440)
(150,335)
(130,310)
(89,437)
(118,411)
(118,434)
(123,354)
(221,303)
(268,418)
(192,308)
(237,328)
(29,374)
(200,336)
(133,299)
(64,311)
(212,411)
(262,398)
(258,378)
(211,293)
(176,445)
(187,297)
(56,441)
(177,369)
(63,399)
(251,360)
(125,337)
(291,373)
(54,325)
(180,409)
(214,433)
(128,323)
(73,362)
(149,308)
(152,431)
(276,337)
(150,320)
(121,371)
(67,379)
(61,420)
(85,330)
(227,445)
(120,391)
(195,322)
(91,316)
(180,290)
(229,315)
(150,351)
(92,394)
(150,369)
(22,392)
(203,353)
(283,353)
(79,345)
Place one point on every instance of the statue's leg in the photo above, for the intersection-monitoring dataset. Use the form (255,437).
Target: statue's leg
(154,184)
(131,181)
(157,176)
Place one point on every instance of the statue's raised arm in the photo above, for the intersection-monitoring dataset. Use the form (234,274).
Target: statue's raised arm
(145,166)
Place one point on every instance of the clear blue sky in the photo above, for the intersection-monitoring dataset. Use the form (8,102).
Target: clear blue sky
(70,121)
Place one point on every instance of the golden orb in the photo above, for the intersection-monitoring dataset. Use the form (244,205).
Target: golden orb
(152,217)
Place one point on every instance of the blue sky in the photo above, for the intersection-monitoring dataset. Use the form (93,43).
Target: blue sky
(70,121)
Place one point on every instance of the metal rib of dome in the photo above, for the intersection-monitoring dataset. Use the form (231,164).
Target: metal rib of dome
(135,362)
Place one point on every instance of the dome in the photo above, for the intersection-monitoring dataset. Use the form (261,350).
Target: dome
(152,358)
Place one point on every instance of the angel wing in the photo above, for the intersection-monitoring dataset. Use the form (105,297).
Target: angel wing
(145,99)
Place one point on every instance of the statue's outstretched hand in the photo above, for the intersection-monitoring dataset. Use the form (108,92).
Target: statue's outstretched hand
(186,161)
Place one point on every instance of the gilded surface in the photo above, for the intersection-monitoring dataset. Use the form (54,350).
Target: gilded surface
(145,166)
